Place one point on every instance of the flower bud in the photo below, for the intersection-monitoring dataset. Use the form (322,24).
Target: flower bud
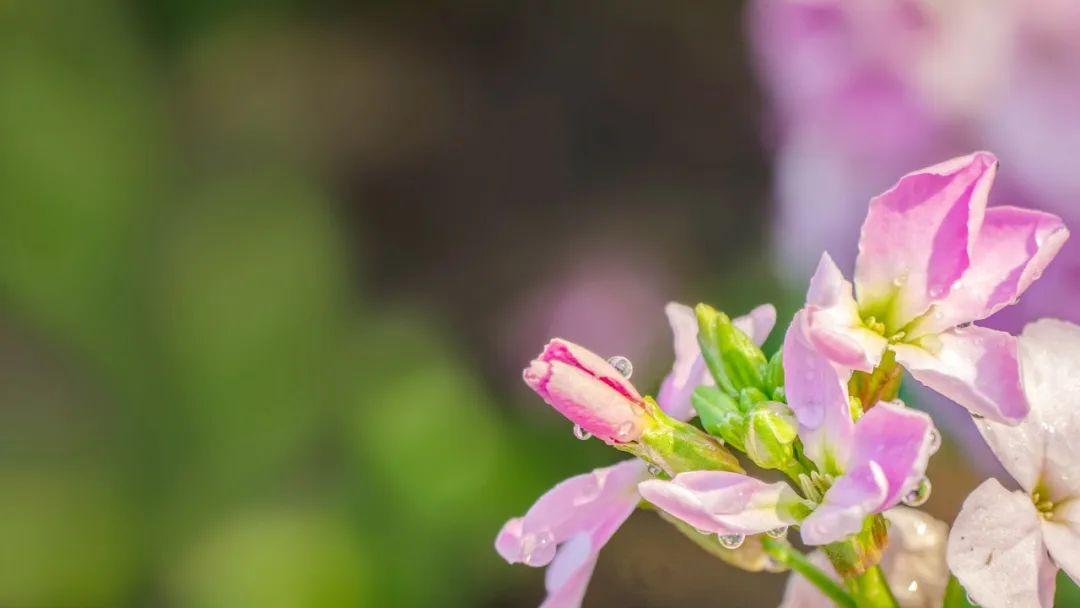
(720,415)
(770,433)
(732,357)
(587,390)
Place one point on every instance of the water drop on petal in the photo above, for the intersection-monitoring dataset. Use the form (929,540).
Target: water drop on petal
(731,541)
(780,532)
(655,471)
(917,496)
(581,433)
(935,440)
(622,365)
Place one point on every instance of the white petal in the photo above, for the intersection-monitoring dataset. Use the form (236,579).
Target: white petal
(996,550)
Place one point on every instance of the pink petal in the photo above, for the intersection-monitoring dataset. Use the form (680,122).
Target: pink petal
(587,390)
(976,367)
(918,236)
(817,393)
(801,593)
(1042,450)
(996,550)
(835,327)
(758,323)
(853,496)
(1061,534)
(897,439)
(1011,251)
(721,502)
(581,504)
(689,370)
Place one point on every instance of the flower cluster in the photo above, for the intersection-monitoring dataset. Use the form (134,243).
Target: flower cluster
(823,412)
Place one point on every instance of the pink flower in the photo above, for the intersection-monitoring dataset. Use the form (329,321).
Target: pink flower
(689,370)
(588,390)
(1006,547)
(932,259)
(566,528)
(864,467)
(913,563)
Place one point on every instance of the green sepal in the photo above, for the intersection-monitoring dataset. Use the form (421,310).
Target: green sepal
(750,397)
(676,446)
(774,372)
(720,415)
(860,552)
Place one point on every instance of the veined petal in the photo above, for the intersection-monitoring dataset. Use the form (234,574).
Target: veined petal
(1061,534)
(976,367)
(580,504)
(918,237)
(724,503)
(817,394)
(996,550)
(833,321)
(1011,251)
(897,439)
(853,496)
(689,370)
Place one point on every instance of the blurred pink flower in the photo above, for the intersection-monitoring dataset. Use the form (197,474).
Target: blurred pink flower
(1006,547)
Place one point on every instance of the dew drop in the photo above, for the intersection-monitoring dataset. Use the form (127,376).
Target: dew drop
(731,541)
(970,600)
(532,544)
(780,532)
(935,440)
(624,430)
(918,495)
(581,433)
(654,470)
(622,365)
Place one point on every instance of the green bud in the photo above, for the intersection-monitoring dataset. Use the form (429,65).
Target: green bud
(720,415)
(770,436)
(732,357)
(774,371)
(750,397)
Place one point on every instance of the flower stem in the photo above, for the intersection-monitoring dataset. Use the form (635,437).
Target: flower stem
(783,553)
(870,590)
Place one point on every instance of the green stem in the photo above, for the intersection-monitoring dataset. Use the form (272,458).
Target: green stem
(870,590)
(955,596)
(783,553)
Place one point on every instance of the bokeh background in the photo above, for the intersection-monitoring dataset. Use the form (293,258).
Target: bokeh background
(269,270)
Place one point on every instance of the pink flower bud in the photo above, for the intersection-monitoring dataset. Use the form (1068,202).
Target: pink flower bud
(588,390)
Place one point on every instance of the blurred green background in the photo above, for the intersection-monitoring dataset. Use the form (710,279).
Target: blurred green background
(269,272)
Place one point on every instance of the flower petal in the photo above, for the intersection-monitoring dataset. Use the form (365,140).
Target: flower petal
(801,593)
(580,504)
(852,497)
(897,439)
(721,502)
(689,370)
(817,394)
(1061,534)
(1011,251)
(996,550)
(918,236)
(835,327)
(976,367)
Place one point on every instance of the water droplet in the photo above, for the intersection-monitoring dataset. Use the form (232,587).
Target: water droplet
(703,532)
(918,495)
(622,365)
(731,541)
(780,532)
(624,430)
(969,599)
(581,433)
(935,440)
(532,545)
(654,470)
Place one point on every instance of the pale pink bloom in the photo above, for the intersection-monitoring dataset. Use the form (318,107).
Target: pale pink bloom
(872,464)
(566,528)
(588,390)
(1006,547)
(689,370)
(932,259)
(913,563)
